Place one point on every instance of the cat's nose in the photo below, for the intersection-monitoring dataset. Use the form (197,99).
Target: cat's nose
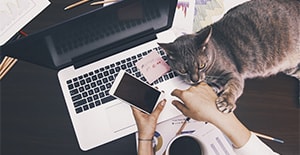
(195,78)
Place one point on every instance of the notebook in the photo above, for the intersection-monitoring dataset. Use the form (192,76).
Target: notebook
(88,51)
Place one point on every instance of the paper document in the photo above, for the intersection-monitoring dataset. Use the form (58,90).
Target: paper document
(15,14)
(215,142)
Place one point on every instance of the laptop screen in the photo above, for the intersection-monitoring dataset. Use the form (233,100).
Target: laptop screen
(94,33)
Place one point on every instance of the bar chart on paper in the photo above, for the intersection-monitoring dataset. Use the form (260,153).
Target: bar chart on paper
(15,14)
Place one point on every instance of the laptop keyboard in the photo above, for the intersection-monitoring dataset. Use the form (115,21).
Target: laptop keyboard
(91,89)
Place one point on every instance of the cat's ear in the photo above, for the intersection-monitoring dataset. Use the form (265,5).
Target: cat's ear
(168,47)
(203,36)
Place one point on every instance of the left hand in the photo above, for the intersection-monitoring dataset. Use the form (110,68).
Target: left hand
(146,124)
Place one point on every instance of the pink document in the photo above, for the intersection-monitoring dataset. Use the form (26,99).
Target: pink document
(152,66)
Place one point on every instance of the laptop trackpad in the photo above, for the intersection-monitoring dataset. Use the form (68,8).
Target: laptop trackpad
(120,117)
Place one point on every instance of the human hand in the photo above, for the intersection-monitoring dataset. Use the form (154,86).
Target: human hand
(146,123)
(198,102)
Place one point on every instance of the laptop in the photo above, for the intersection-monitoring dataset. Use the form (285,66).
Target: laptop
(88,51)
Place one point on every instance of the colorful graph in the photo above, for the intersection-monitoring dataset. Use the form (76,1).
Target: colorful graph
(158,141)
(205,11)
(183,6)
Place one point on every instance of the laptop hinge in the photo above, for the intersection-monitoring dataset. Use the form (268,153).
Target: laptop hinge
(114,48)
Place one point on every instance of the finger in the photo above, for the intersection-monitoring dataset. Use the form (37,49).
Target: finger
(176,92)
(180,106)
(205,87)
(160,106)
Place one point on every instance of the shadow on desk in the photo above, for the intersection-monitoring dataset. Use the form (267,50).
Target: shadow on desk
(34,118)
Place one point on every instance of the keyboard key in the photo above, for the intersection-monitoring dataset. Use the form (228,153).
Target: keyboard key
(104,80)
(91,92)
(93,84)
(74,91)
(75,79)
(97,103)
(97,90)
(92,105)
(111,78)
(87,87)
(82,82)
(79,110)
(107,99)
(102,87)
(94,77)
(101,95)
(80,102)
(99,82)
(95,97)
(69,81)
(76,84)
(117,69)
(123,67)
(70,86)
(105,73)
(129,64)
(76,97)
(100,75)
(88,80)
(89,99)
(108,86)
(111,71)
(85,107)
(81,89)
(84,94)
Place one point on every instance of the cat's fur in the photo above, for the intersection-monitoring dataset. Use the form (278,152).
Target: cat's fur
(255,39)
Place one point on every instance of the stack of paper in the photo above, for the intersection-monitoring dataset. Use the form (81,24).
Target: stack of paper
(15,14)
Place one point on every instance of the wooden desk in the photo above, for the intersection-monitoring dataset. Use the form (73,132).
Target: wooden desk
(35,120)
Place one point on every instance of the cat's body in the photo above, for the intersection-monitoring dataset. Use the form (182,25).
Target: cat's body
(256,39)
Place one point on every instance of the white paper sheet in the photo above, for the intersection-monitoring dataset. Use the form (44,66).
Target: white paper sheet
(15,14)
(213,139)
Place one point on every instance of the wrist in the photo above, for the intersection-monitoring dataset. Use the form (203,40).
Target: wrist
(145,135)
(145,139)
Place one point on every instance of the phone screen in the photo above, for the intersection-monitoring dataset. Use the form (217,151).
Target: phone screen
(137,93)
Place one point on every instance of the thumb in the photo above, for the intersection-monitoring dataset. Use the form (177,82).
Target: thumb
(160,106)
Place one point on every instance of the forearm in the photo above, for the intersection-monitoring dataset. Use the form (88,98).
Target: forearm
(145,148)
(233,129)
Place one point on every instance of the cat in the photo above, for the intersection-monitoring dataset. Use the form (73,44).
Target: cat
(258,38)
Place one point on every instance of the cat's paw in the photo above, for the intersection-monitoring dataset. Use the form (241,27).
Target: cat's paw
(224,105)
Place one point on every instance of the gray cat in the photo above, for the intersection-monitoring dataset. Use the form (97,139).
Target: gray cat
(255,39)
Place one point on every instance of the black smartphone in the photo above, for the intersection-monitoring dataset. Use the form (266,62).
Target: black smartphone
(135,92)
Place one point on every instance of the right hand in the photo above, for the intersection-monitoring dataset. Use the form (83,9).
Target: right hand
(199,102)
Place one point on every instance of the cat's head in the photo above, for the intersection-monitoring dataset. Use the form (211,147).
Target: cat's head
(188,55)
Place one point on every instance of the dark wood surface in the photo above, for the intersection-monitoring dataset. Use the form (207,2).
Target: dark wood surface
(35,120)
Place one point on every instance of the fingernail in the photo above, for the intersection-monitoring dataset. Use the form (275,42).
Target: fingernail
(163,102)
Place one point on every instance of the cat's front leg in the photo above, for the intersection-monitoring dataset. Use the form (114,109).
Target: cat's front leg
(226,102)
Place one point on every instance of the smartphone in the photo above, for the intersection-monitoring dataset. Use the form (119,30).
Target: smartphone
(135,92)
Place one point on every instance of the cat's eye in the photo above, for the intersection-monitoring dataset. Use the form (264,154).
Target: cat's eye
(181,72)
(202,65)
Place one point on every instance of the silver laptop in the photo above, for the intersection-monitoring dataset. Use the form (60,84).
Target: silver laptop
(88,52)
